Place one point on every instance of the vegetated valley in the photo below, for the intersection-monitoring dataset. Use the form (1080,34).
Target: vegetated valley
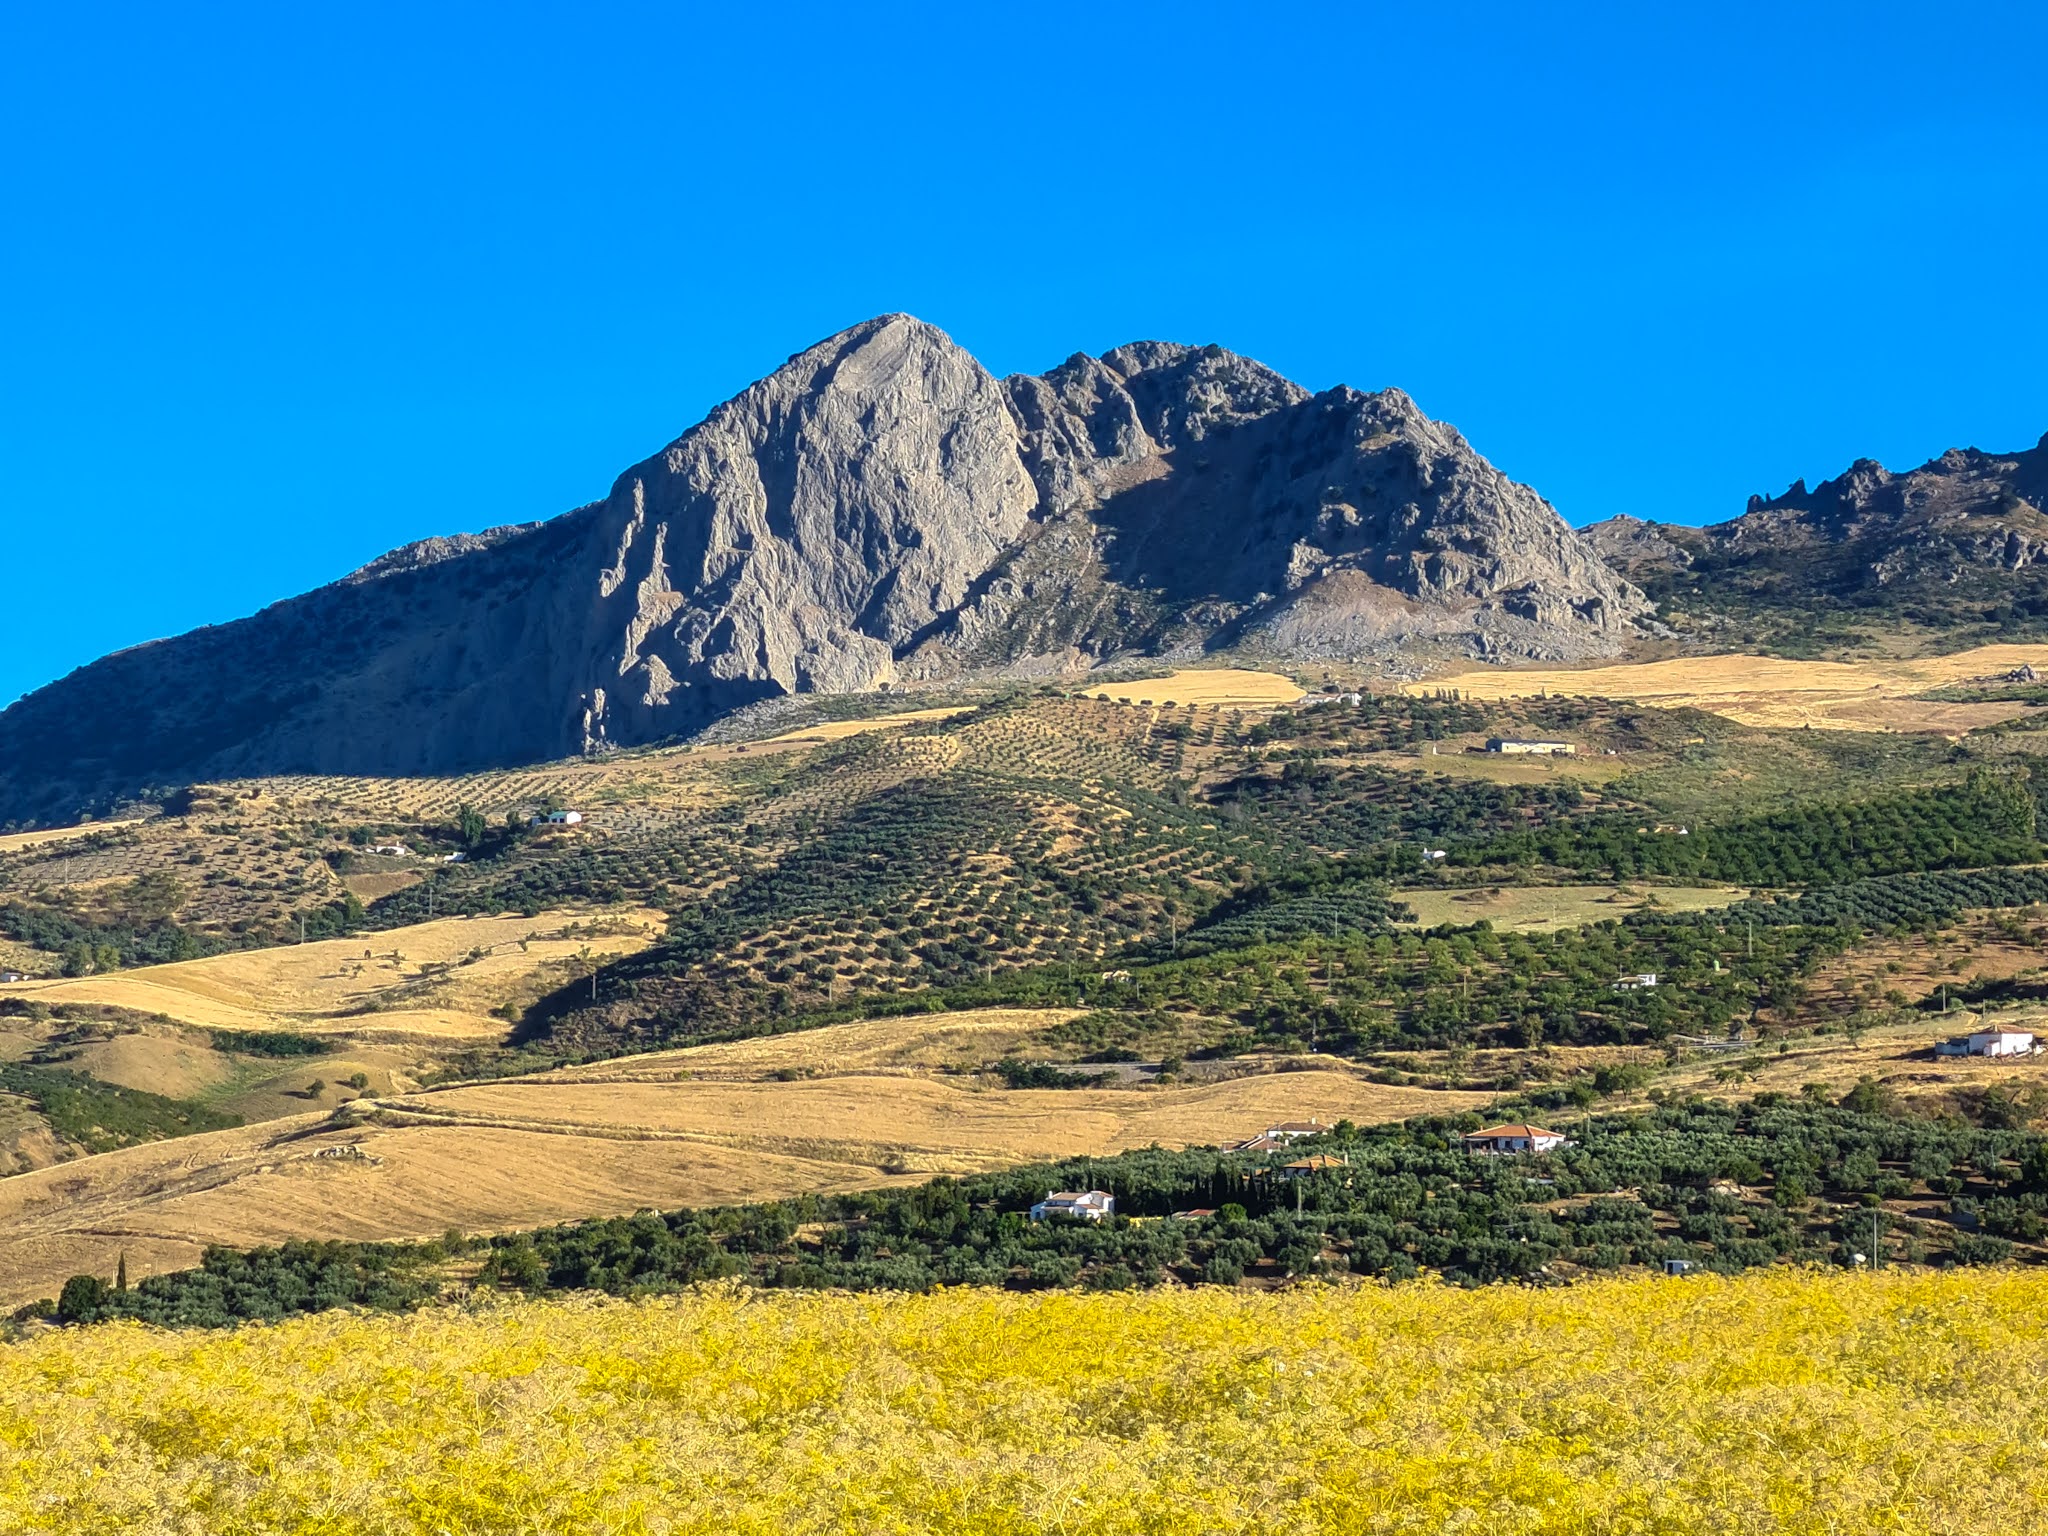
(1051,1015)
(1716,957)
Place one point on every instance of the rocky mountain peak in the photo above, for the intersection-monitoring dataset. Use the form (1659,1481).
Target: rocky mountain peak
(880,509)
(1184,394)
(1963,537)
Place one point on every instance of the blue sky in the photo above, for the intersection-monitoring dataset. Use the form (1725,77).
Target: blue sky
(285,286)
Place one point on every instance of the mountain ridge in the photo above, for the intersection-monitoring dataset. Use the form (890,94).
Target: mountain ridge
(1957,543)
(880,510)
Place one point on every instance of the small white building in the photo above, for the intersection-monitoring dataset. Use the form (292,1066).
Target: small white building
(7,976)
(1510,1140)
(1639,982)
(564,818)
(1276,1137)
(1988,1042)
(390,850)
(1524,746)
(1432,855)
(1078,1205)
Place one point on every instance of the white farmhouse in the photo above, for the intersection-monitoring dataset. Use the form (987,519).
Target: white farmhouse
(1079,1205)
(1524,746)
(1997,1041)
(1285,1134)
(1508,1140)
(564,818)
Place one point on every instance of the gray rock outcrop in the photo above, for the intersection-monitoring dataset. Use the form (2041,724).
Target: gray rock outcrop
(879,509)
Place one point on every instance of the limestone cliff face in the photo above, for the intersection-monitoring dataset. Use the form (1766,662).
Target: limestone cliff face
(880,508)
(804,534)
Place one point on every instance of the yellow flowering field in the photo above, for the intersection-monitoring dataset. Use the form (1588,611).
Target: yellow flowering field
(1778,1402)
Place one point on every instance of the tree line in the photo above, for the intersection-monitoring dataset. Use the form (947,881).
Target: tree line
(1717,1186)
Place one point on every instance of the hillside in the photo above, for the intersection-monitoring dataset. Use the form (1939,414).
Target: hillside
(879,512)
(1018,926)
(1952,552)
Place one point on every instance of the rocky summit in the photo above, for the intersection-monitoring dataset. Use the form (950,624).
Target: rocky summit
(879,511)
(1957,546)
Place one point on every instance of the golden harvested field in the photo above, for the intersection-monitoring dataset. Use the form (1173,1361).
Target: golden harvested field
(556,1147)
(1770,692)
(839,730)
(943,1041)
(926,1125)
(1224,686)
(1777,1404)
(1543,908)
(13,842)
(439,979)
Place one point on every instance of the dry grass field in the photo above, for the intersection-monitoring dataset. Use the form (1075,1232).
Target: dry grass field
(1900,1057)
(15,842)
(1543,908)
(1780,1403)
(622,1135)
(1224,687)
(1770,692)
(440,980)
(839,730)
(945,1042)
